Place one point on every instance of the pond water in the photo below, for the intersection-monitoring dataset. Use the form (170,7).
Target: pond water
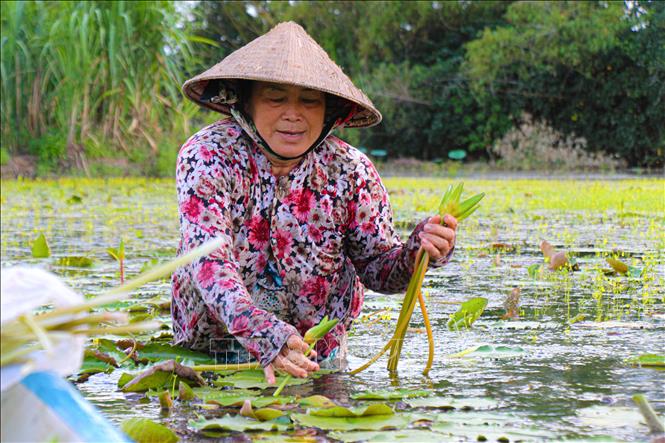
(563,380)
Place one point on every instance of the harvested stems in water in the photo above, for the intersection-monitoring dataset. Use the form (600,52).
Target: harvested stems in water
(654,422)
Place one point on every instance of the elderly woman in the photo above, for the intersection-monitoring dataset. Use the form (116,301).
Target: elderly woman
(305,219)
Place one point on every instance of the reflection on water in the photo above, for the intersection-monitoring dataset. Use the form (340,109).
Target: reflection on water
(563,369)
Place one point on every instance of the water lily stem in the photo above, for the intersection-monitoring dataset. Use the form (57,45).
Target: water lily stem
(227,367)
(288,377)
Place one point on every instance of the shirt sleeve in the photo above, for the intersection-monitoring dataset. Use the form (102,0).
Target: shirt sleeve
(382,261)
(204,198)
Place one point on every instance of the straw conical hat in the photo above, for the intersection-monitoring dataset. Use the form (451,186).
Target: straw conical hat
(286,54)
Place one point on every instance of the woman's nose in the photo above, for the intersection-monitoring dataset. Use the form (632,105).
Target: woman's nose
(293,110)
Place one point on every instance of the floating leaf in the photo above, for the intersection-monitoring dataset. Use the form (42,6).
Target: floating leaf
(185,392)
(453,403)
(227,398)
(317,401)
(635,272)
(610,417)
(40,247)
(75,262)
(236,423)
(143,430)
(368,423)
(360,411)
(489,351)
(617,265)
(410,435)
(648,360)
(256,379)
(157,380)
(74,199)
(162,351)
(165,401)
(396,394)
(468,312)
(533,270)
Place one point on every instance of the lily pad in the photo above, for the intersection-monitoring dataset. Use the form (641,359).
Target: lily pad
(227,398)
(317,401)
(143,430)
(360,411)
(411,435)
(75,262)
(40,247)
(367,423)
(236,423)
(396,394)
(489,351)
(163,351)
(648,360)
(486,426)
(157,380)
(610,417)
(468,312)
(453,403)
(256,379)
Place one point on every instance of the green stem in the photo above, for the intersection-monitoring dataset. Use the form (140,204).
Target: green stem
(228,367)
(653,421)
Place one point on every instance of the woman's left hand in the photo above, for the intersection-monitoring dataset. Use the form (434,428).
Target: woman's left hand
(437,240)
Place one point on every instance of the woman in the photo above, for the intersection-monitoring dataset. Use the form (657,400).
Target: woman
(305,218)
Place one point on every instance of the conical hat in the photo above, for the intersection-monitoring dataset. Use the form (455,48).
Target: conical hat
(286,54)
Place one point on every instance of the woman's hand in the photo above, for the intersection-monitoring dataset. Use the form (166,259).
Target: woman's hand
(291,359)
(437,239)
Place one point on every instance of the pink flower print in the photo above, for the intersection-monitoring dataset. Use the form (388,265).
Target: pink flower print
(261,261)
(232,132)
(315,289)
(315,234)
(192,208)
(284,241)
(205,188)
(206,154)
(206,275)
(259,232)
(304,200)
(368,228)
(239,325)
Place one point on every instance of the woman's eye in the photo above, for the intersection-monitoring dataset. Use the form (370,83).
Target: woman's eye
(276,99)
(310,101)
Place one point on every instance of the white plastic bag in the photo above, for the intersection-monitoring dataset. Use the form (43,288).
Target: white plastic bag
(24,289)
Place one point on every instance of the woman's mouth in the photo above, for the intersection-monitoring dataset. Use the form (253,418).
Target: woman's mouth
(291,136)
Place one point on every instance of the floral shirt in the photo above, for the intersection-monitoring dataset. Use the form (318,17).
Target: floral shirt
(296,247)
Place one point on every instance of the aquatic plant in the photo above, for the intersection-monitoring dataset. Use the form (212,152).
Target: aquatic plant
(450,204)
(33,331)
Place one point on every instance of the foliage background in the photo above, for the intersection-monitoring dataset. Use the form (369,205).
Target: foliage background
(94,87)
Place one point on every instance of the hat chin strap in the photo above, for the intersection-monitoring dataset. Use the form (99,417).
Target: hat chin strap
(250,128)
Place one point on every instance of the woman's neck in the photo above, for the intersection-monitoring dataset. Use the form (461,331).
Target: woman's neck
(279,167)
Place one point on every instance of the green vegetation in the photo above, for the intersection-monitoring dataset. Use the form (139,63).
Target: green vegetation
(94,87)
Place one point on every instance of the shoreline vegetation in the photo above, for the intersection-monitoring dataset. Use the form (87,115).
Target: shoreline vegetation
(93,88)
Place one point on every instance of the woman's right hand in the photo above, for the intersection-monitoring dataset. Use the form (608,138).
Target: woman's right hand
(292,360)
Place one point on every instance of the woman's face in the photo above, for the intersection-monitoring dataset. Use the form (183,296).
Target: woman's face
(289,118)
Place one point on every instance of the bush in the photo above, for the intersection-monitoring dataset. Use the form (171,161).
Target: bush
(537,146)
(4,156)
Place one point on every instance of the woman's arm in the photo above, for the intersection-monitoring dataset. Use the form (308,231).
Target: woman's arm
(382,261)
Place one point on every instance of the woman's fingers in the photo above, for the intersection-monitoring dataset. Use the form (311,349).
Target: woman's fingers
(286,365)
(437,239)
(450,221)
(269,373)
(296,343)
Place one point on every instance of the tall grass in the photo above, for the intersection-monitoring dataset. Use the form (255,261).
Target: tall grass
(93,79)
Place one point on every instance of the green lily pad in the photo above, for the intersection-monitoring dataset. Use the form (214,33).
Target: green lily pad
(489,351)
(317,401)
(92,365)
(256,379)
(648,360)
(453,403)
(396,394)
(410,435)
(143,430)
(486,426)
(360,411)
(75,262)
(236,423)
(40,247)
(367,423)
(160,379)
(185,392)
(227,398)
(468,312)
(533,270)
(162,351)
(613,417)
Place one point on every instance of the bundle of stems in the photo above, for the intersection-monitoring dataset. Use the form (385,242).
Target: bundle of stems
(38,331)
(450,204)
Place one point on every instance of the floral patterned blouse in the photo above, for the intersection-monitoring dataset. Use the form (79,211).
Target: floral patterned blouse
(296,247)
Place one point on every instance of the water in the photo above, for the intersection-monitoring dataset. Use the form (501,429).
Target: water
(564,370)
